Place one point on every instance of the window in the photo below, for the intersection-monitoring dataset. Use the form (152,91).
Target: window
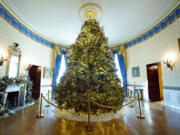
(118,69)
(62,69)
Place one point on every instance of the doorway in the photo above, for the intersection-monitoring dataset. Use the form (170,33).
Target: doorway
(155,87)
(35,77)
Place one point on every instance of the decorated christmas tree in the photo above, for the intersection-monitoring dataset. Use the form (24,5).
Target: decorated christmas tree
(90,73)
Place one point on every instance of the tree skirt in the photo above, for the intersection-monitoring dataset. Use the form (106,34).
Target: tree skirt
(94,118)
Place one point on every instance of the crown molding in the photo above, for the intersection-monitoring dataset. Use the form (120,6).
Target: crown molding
(32,29)
(146,30)
(24,22)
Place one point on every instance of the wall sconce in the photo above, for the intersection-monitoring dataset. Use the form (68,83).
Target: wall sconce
(2,60)
(169,60)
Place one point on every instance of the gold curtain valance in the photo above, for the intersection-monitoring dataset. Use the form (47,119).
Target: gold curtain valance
(121,50)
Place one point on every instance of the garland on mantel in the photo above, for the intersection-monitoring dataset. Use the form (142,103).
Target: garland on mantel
(5,82)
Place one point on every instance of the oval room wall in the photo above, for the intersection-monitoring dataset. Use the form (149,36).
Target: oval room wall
(149,51)
(154,50)
(32,52)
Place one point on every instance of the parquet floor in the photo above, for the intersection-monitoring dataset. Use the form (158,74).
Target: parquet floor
(159,120)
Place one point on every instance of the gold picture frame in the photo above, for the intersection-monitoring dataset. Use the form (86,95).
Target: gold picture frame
(135,72)
(46,72)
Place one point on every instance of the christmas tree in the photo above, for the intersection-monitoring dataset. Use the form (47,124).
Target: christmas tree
(90,73)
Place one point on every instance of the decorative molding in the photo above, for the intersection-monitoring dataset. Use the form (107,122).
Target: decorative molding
(164,23)
(46,85)
(90,7)
(157,28)
(154,30)
(13,11)
(15,48)
(171,88)
(164,87)
(23,29)
(135,85)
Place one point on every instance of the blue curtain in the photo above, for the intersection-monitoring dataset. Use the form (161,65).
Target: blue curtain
(56,69)
(123,72)
(64,52)
(58,65)
(122,68)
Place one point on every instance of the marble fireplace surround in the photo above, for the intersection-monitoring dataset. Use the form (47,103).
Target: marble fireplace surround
(16,88)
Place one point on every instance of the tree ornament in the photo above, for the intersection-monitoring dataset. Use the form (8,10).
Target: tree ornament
(90,73)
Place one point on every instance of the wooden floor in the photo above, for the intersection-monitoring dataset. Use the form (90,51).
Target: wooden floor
(159,120)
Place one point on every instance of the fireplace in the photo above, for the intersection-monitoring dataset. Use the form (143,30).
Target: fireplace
(12,100)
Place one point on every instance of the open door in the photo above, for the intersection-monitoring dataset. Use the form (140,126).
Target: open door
(154,81)
(35,77)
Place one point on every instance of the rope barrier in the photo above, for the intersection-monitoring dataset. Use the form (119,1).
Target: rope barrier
(110,107)
(113,107)
(48,105)
(54,104)
(89,127)
(47,93)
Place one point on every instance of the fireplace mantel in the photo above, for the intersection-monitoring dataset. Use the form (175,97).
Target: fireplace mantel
(14,88)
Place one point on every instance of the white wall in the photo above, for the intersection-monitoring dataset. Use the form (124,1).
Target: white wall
(32,52)
(154,50)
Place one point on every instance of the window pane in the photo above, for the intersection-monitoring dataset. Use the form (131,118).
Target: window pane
(118,69)
(62,69)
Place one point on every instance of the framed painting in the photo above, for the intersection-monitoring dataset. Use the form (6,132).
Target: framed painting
(47,72)
(135,72)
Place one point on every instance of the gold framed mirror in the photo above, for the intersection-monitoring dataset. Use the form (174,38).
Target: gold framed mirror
(14,60)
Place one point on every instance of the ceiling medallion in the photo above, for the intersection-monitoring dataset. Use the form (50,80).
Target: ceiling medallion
(90,11)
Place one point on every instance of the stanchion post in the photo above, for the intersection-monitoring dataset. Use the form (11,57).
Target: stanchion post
(48,100)
(140,116)
(89,127)
(40,115)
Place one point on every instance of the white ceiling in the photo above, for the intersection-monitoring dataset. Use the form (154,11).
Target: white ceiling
(59,19)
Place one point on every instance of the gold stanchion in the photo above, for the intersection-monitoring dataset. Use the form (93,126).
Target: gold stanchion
(48,100)
(140,116)
(40,115)
(89,127)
